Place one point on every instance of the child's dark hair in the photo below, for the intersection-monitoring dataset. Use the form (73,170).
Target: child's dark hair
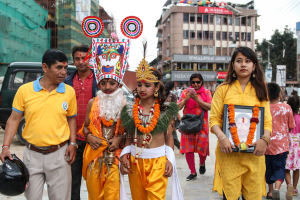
(161,92)
(293,101)
(168,87)
(273,90)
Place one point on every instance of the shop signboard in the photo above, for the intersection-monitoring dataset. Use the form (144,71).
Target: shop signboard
(201,59)
(221,76)
(185,75)
(281,75)
(214,10)
(268,75)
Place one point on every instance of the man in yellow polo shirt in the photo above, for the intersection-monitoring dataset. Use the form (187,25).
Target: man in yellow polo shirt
(49,107)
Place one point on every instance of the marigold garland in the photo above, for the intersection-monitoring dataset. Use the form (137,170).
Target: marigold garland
(137,121)
(233,129)
(107,123)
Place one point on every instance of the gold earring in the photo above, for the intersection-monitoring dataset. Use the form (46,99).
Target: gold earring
(155,94)
(234,75)
(253,75)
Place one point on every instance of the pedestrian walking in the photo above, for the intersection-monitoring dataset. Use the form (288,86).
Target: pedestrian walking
(171,97)
(239,173)
(292,162)
(49,107)
(84,83)
(179,91)
(276,153)
(195,100)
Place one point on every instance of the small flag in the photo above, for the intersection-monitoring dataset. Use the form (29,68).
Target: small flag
(89,54)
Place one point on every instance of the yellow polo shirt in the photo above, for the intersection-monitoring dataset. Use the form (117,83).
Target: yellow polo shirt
(45,113)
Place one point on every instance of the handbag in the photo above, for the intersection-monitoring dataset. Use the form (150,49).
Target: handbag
(191,124)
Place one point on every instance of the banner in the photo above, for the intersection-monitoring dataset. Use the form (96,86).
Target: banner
(214,10)
(268,75)
(281,75)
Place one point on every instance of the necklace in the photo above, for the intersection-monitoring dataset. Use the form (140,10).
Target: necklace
(107,123)
(232,125)
(147,137)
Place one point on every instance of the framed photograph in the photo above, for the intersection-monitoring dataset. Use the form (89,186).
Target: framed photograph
(243,115)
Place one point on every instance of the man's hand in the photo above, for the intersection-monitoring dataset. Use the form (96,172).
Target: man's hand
(261,147)
(5,153)
(126,162)
(94,141)
(169,169)
(114,143)
(71,153)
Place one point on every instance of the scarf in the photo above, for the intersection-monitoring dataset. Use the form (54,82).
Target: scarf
(192,104)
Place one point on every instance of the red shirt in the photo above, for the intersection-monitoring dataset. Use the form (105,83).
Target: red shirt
(83,91)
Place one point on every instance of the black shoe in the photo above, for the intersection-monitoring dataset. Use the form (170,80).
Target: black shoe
(202,169)
(191,177)
(275,195)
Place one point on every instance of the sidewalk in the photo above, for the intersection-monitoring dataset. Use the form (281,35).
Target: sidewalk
(199,189)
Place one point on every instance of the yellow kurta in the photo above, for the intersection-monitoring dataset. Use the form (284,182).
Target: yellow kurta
(238,173)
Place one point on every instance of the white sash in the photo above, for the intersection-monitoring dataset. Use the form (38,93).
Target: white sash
(154,153)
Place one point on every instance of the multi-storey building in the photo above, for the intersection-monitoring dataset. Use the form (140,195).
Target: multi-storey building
(202,38)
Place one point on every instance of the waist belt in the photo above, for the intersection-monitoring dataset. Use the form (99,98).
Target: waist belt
(50,150)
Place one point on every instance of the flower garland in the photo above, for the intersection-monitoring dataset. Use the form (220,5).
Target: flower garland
(150,126)
(233,129)
(107,123)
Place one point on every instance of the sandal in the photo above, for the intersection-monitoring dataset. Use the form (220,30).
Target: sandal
(289,193)
(295,192)
(268,196)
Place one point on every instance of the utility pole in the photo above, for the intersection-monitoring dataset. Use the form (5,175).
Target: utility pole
(269,50)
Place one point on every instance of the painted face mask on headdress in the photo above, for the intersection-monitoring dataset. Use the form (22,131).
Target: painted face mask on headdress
(109,58)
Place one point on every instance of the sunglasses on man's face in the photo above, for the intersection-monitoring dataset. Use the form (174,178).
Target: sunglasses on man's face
(193,82)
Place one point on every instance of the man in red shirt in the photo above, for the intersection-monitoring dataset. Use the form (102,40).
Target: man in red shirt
(83,81)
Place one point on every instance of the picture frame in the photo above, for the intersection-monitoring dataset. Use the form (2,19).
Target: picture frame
(243,115)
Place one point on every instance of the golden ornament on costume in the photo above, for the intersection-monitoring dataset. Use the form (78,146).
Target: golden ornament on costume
(143,72)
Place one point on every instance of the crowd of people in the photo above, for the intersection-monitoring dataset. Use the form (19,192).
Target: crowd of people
(82,126)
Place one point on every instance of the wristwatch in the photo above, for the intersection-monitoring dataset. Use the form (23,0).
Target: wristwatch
(74,144)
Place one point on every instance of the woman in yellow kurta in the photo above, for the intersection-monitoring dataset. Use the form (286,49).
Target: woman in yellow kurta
(240,173)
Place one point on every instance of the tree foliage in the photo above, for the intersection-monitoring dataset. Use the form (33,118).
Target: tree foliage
(276,54)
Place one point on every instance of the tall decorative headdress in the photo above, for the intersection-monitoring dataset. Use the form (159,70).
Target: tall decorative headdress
(143,72)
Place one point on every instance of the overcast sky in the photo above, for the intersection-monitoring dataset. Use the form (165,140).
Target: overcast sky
(275,14)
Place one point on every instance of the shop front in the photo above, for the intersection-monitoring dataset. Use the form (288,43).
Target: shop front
(221,77)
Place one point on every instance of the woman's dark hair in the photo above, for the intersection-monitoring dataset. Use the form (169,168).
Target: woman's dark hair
(51,56)
(197,75)
(161,92)
(258,82)
(273,90)
(168,87)
(293,101)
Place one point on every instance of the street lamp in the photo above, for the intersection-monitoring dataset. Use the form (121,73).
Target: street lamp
(234,12)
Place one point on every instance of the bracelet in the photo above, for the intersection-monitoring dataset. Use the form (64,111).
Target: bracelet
(265,139)
(5,146)
(222,139)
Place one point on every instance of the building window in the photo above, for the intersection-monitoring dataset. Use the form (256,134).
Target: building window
(237,21)
(229,20)
(211,35)
(192,48)
(185,18)
(218,19)
(199,49)
(231,49)
(249,37)
(218,51)
(185,50)
(211,19)
(230,36)
(220,66)
(186,66)
(243,21)
(218,35)
(205,35)
(210,66)
(192,18)
(185,34)
(192,34)
(205,50)
(237,36)
(211,51)
(243,36)
(201,66)
(168,52)
(224,20)
(205,19)
(224,51)
(199,35)
(224,35)
(249,21)
(199,18)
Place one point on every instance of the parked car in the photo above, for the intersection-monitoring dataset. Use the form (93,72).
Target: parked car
(17,74)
